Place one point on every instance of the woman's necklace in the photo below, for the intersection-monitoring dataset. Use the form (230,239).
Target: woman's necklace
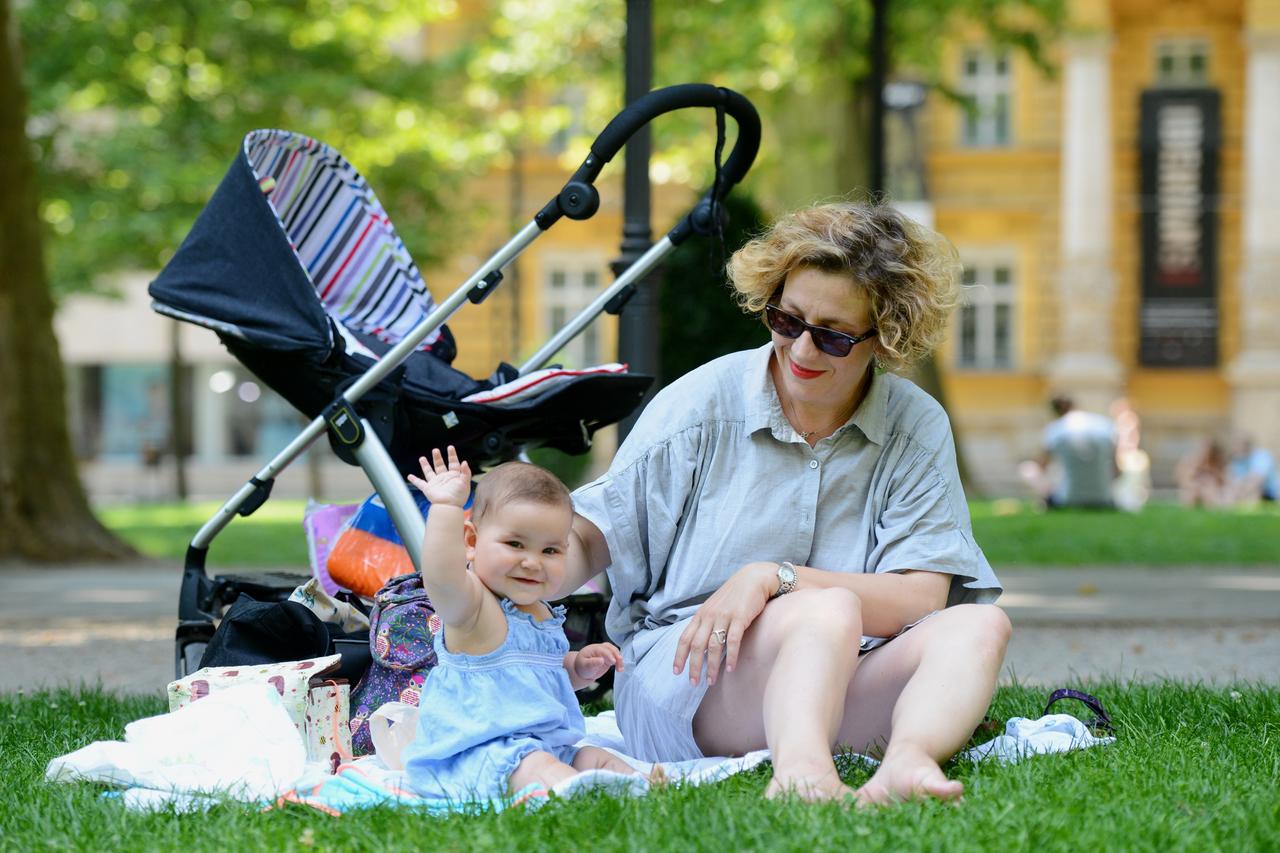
(795,423)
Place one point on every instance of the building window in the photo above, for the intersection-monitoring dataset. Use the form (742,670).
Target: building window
(571,283)
(985,336)
(1182,63)
(986,83)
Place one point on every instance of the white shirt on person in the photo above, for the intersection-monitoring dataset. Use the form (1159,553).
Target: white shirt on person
(1084,446)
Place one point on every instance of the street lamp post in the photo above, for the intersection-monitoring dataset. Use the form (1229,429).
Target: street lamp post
(638,324)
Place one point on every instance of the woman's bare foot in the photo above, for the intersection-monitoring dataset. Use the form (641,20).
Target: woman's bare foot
(908,773)
(817,786)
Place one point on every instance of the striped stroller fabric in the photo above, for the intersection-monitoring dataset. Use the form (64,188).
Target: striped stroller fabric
(343,238)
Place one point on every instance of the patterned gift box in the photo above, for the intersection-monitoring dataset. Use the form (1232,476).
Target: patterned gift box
(315,708)
(328,722)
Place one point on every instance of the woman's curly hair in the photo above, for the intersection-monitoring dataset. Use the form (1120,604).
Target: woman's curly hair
(909,272)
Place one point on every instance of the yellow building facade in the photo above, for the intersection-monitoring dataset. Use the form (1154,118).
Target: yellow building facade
(1042,190)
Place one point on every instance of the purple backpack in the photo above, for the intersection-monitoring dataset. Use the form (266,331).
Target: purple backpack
(402,626)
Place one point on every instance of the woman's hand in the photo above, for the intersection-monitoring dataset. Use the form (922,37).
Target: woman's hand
(446,485)
(595,660)
(717,627)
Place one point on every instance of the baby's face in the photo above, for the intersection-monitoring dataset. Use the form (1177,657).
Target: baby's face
(520,550)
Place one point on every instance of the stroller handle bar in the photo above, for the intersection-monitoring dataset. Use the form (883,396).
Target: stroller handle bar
(653,104)
(579,199)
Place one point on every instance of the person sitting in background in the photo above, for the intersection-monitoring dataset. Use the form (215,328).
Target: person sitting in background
(1082,447)
(1202,475)
(1251,473)
(1132,485)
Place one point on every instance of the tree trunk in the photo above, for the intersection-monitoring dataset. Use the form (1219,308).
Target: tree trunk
(44,514)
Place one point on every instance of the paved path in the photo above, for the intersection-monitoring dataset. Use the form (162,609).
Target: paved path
(114,626)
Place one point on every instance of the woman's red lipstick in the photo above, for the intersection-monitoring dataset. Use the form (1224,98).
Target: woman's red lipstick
(802,372)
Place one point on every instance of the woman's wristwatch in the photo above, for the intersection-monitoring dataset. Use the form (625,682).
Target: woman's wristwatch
(786,579)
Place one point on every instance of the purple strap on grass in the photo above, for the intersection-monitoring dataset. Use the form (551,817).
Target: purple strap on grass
(1101,721)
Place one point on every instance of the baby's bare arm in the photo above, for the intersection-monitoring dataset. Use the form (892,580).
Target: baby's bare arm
(456,594)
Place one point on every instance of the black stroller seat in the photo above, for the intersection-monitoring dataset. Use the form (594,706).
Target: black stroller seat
(297,268)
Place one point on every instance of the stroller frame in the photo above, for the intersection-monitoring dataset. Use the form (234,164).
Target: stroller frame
(202,599)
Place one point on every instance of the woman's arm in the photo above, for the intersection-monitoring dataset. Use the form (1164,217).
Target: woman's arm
(588,554)
(890,602)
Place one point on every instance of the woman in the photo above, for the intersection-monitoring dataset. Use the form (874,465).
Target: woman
(785,531)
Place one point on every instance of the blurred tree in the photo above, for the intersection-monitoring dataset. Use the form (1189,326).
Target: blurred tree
(43,511)
(700,318)
(136,109)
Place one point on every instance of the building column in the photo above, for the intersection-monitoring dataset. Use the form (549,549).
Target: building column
(1084,364)
(1254,374)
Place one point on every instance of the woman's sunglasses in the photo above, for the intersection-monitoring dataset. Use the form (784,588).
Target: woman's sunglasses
(828,340)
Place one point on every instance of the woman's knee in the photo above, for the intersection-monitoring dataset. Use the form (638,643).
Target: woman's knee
(985,624)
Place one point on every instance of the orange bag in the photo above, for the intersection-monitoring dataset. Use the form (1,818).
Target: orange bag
(368,551)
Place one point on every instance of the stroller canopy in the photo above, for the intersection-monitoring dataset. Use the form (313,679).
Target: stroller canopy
(296,266)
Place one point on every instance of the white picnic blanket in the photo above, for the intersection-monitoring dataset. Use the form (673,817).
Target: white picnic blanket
(240,744)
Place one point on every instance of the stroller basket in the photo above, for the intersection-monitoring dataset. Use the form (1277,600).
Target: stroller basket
(297,268)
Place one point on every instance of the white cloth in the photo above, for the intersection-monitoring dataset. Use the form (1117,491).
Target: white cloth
(1024,737)
(238,742)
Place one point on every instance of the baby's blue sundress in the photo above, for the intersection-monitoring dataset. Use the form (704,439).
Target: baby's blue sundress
(482,714)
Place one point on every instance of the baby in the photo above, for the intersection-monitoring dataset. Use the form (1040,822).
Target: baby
(499,711)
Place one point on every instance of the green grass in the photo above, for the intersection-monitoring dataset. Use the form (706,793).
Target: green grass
(1015,533)
(1194,768)
(272,536)
(1012,533)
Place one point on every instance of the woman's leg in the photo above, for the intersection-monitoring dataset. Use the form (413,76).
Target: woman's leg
(918,699)
(788,691)
(921,694)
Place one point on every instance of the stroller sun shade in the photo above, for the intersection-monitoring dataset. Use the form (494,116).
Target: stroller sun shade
(296,266)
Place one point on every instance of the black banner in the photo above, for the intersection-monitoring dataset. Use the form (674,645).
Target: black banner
(1178,150)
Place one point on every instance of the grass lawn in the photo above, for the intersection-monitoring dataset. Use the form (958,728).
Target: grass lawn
(1194,769)
(1012,533)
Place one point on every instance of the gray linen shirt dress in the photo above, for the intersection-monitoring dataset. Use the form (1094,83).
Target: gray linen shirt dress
(713,476)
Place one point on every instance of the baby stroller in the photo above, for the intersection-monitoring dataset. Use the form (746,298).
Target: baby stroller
(296,267)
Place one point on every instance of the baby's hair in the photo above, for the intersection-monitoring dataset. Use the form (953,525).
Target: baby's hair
(518,481)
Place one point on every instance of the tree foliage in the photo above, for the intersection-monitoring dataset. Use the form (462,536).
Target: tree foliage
(700,317)
(138,108)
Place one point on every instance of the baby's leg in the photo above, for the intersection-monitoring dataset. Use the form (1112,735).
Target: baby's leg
(595,758)
(541,767)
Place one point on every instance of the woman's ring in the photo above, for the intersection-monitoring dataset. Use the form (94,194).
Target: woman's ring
(720,636)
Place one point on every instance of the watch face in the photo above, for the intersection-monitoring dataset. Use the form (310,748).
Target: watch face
(786,574)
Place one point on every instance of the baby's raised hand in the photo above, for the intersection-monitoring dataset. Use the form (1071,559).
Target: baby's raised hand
(595,660)
(446,484)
